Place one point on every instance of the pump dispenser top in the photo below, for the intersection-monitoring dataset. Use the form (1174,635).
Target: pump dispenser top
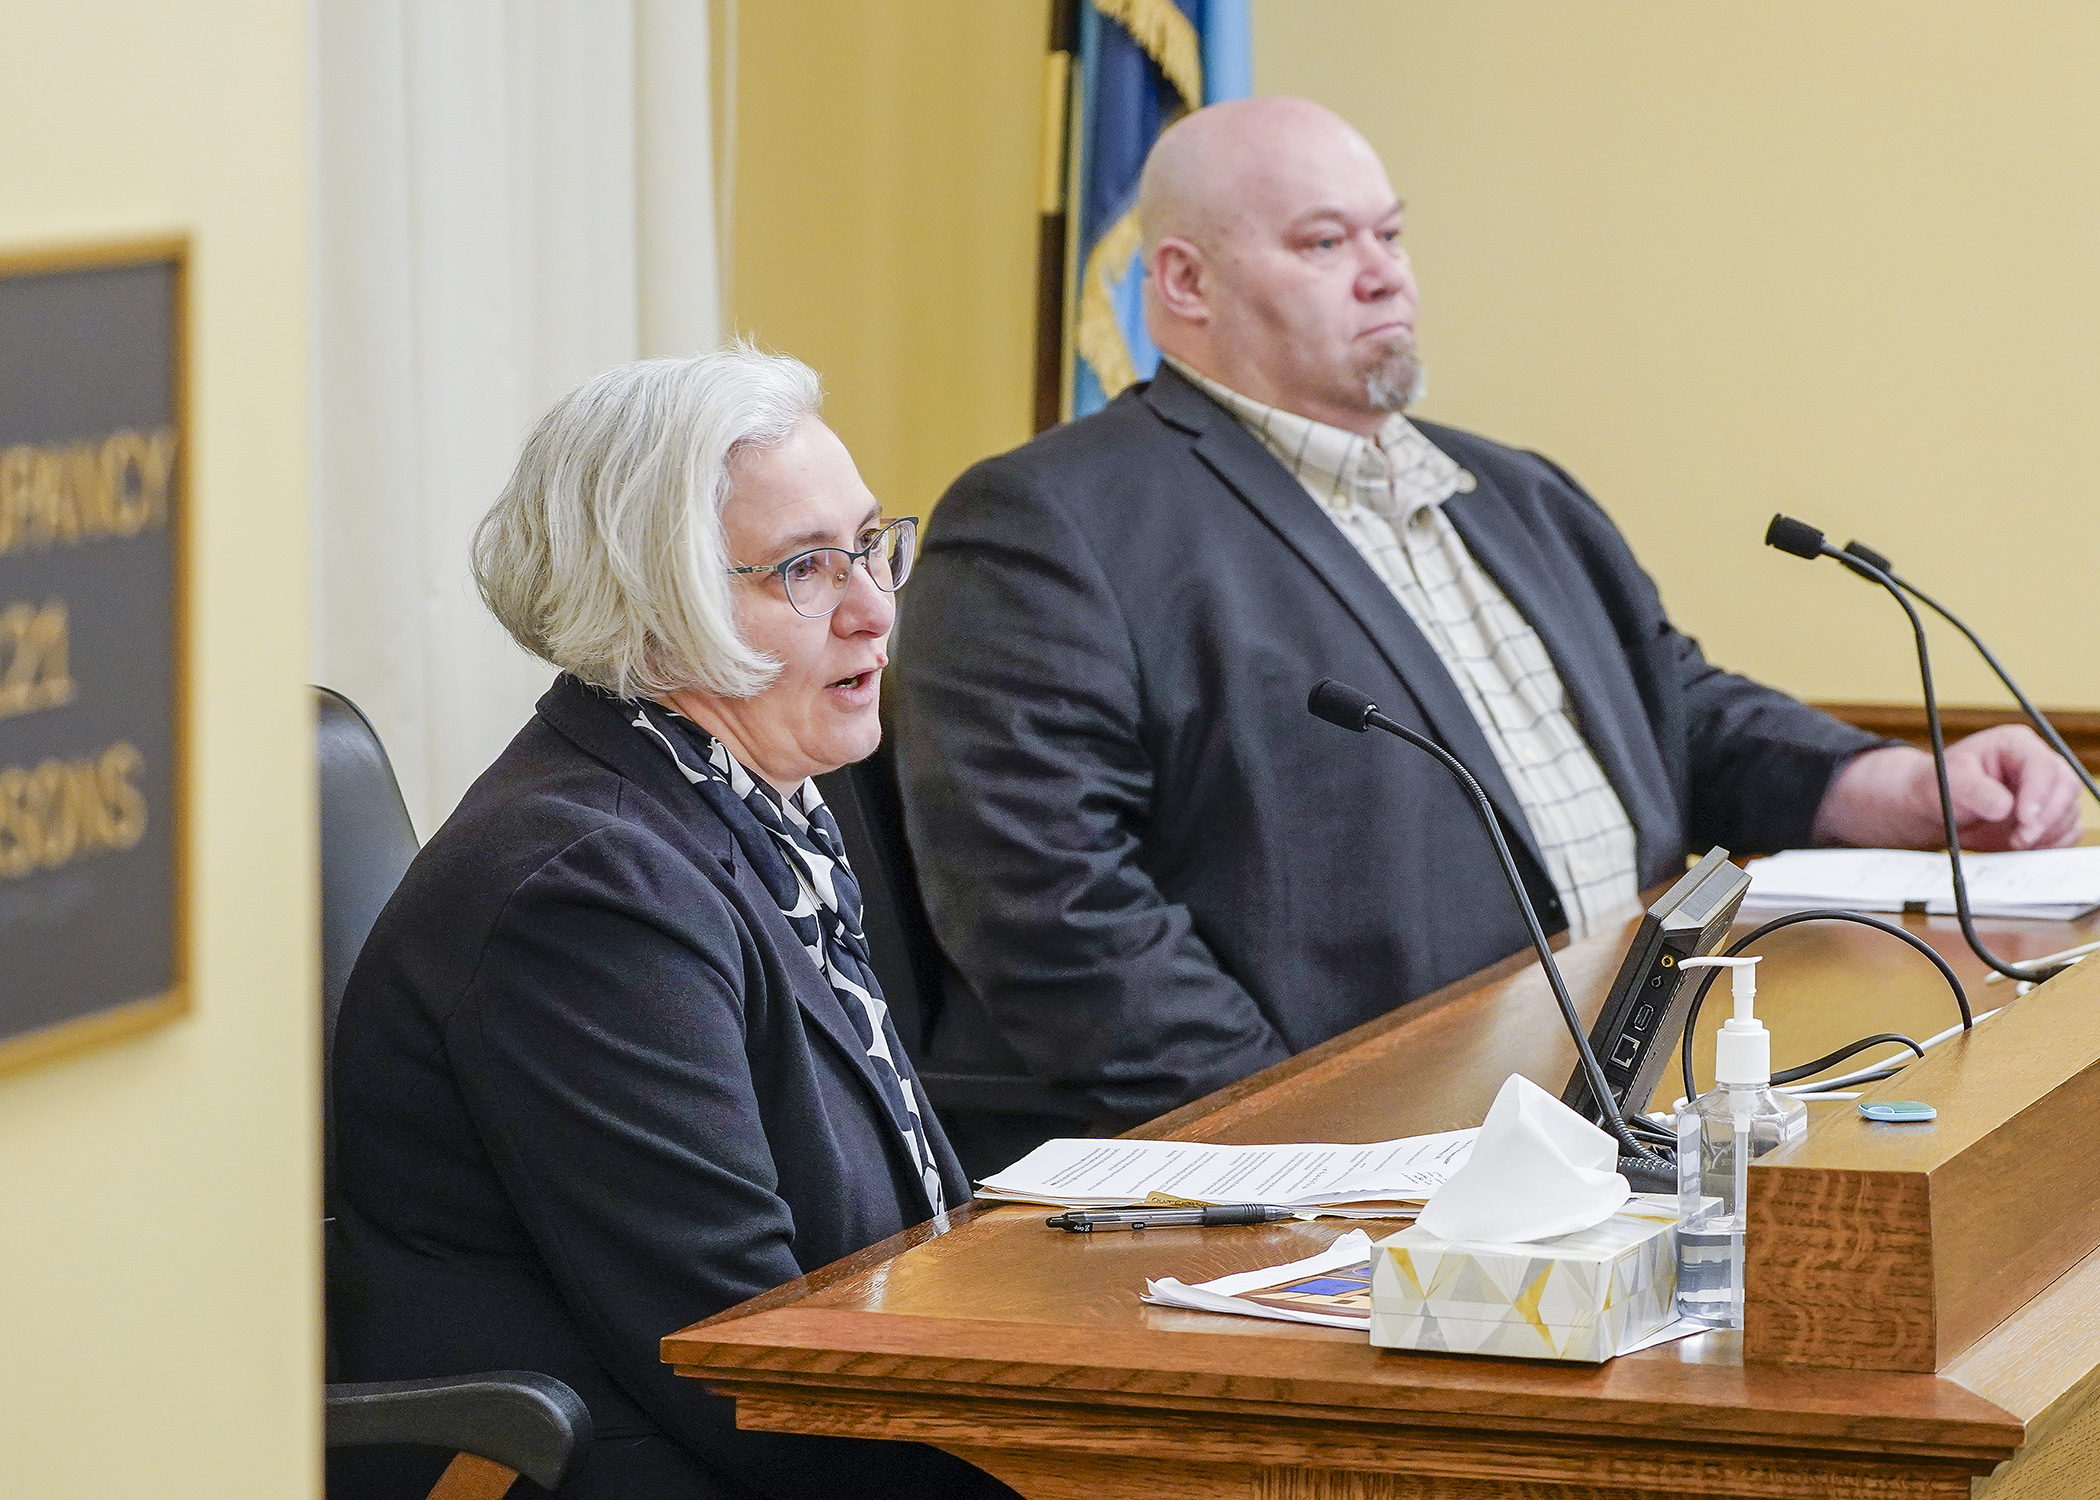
(1742,1048)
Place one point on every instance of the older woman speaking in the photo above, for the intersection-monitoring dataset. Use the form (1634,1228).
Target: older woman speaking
(614,1057)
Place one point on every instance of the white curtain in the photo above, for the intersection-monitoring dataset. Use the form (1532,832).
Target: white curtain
(513,195)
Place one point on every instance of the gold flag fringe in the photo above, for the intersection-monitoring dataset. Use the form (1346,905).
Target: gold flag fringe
(1167,37)
(1097,337)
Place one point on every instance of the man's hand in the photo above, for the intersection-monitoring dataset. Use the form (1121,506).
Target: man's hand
(2010,791)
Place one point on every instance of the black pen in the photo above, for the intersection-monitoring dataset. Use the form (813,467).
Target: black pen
(1080,1221)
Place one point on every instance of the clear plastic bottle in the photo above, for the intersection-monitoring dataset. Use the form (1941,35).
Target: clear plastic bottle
(1718,1135)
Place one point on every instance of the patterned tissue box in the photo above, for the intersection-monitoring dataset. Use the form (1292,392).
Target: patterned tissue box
(1583,1296)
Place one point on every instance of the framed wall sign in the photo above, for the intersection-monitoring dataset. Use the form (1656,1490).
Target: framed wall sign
(93,572)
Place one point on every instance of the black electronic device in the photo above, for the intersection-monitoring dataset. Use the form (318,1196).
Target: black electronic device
(1644,1014)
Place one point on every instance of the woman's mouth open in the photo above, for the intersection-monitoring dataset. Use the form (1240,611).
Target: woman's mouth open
(860,688)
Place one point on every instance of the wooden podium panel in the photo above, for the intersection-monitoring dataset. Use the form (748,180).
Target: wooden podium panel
(1897,1247)
(1027,1351)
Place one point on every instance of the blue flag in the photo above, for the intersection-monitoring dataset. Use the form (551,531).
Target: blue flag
(1142,64)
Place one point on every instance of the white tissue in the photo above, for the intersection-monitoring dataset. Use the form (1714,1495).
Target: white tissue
(1538,1169)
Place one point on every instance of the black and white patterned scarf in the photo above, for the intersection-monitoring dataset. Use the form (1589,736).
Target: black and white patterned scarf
(793,844)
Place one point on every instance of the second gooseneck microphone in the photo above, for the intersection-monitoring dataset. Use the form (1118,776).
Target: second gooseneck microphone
(1805,541)
(1858,552)
(1352,709)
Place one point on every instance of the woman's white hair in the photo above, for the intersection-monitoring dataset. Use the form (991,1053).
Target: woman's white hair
(604,554)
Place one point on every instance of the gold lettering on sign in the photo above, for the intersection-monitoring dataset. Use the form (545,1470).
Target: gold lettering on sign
(84,492)
(69,809)
(34,668)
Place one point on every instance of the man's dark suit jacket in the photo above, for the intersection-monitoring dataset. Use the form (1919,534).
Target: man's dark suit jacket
(590,1088)
(1156,872)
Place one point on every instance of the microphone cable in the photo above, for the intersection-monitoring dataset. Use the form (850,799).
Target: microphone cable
(1804,541)
(1352,709)
(1856,551)
(1809,1070)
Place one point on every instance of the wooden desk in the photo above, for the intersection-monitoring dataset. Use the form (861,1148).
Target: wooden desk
(1026,1350)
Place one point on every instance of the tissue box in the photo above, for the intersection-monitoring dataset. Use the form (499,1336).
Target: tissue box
(1582,1296)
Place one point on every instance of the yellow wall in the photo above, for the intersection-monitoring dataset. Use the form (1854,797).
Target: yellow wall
(158,1322)
(1721,260)
(885,220)
(1717,260)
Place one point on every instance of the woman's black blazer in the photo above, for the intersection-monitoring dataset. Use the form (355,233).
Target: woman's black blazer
(590,1088)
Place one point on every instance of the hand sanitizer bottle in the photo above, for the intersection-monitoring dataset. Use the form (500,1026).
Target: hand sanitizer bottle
(1718,1135)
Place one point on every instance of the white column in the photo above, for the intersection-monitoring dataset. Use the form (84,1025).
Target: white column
(506,195)
(676,236)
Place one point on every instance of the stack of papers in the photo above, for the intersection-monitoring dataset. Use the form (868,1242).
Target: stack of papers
(2051,883)
(1391,1175)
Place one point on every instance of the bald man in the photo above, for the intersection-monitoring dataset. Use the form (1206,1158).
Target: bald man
(1154,872)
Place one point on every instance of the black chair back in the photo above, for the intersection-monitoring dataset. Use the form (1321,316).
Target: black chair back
(367,842)
(499,1424)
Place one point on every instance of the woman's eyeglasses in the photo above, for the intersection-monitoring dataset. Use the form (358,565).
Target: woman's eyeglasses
(816,580)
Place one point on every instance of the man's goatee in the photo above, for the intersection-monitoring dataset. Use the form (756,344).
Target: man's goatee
(1395,379)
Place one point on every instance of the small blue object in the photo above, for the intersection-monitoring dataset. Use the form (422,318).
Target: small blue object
(1898,1111)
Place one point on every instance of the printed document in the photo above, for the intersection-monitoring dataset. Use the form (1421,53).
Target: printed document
(2053,883)
(1124,1174)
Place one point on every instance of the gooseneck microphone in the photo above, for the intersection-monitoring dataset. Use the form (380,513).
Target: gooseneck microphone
(1804,541)
(1352,709)
(1853,552)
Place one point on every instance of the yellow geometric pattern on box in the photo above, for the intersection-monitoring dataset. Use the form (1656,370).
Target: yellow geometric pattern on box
(1527,1305)
(1580,1296)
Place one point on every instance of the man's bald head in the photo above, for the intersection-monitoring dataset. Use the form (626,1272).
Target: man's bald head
(1273,260)
(1225,162)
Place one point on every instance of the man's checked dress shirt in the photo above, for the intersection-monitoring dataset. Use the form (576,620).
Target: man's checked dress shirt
(1387,497)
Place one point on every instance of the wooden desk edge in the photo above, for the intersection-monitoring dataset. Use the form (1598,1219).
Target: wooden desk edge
(1058,1447)
(992,1365)
(1206,1439)
(2046,1352)
(788,1293)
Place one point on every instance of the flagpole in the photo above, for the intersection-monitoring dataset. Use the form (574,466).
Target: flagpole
(1053,224)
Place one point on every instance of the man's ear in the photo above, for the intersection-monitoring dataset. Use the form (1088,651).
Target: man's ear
(1181,280)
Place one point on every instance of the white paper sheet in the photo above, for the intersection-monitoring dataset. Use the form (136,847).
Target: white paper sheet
(1221,1295)
(1683,1328)
(2052,883)
(1118,1173)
